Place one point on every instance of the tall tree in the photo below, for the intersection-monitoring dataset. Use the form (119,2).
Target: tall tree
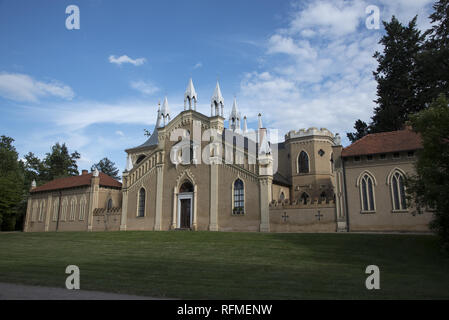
(108,167)
(433,62)
(59,163)
(361,130)
(428,188)
(11,184)
(396,76)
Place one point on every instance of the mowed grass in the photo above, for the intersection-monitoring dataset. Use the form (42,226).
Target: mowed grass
(225,265)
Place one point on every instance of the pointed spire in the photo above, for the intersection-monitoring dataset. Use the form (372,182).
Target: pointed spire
(190,95)
(33,184)
(234,117)
(264,146)
(217,101)
(245,126)
(96,173)
(129,163)
(260,126)
(158,121)
(165,111)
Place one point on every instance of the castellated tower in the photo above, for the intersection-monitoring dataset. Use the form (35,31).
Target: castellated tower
(311,164)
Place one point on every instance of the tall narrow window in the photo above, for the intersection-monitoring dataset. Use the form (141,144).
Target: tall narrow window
(304,198)
(64,209)
(42,211)
(303,162)
(34,211)
(239,198)
(55,209)
(398,191)
(83,203)
(367,193)
(72,209)
(282,196)
(109,204)
(141,210)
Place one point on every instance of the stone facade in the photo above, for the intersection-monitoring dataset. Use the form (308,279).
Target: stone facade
(189,175)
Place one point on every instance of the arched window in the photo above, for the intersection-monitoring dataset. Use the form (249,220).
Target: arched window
(303,162)
(72,209)
(186,187)
(83,203)
(109,206)
(323,196)
(239,197)
(304,198)
(64,209)
(140,159)
(55,209)
(42,211)
(332,163)
(141,209)
(367,193)
(282,196)
(398,191)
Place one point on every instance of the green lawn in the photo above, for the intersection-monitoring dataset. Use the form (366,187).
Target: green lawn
(222,265)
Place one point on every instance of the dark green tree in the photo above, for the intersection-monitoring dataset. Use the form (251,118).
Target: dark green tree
(429,187)
(361,130)
(59,163)
(397,84)
(433,62)
(108,167)
(11,184)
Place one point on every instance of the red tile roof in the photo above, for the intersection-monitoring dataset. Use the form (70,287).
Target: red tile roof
(384,142)
(77,181)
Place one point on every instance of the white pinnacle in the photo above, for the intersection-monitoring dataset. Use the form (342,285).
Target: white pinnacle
(190,95)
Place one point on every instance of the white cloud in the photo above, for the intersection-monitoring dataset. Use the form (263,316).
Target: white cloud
(318,68)
(125,59)
(22,87)
(198,65)
(120,133)
(146,88)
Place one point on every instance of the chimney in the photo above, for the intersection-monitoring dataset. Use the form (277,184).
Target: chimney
(84,172)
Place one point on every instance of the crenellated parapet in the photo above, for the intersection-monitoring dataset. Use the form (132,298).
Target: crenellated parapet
(309,132)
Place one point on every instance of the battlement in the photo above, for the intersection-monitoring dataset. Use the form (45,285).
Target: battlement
(298,204)
(309,132)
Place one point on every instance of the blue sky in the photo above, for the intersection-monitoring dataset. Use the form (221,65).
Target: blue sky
(300,63)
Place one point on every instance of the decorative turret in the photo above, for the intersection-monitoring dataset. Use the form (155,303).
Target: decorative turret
(234,117)
(216,102)
(96,173)
(129,163)
(33,184)
(165,111)
(260,126)
(245,126)
(190,95)
(158,121)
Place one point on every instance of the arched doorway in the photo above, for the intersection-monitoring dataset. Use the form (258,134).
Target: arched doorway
(185,205)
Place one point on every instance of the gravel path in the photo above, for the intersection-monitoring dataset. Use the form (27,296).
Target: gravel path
(9,291)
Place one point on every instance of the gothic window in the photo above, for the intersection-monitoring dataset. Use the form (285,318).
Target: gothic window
(72,209)
(64,209)
(83,203)
(42,211)
(141,208)
(332,163)
(239,197)
(282,196)
(323,196)
(186,187)
(304,198)
(367,192)
(109,206)
(303,162)
(398,191)
(55,209)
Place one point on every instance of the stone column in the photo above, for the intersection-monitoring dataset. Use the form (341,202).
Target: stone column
(159,188)
(265,192)
(174,213)
(195,218)
(93,200)
(48,211)
(213,217)
(124,216)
